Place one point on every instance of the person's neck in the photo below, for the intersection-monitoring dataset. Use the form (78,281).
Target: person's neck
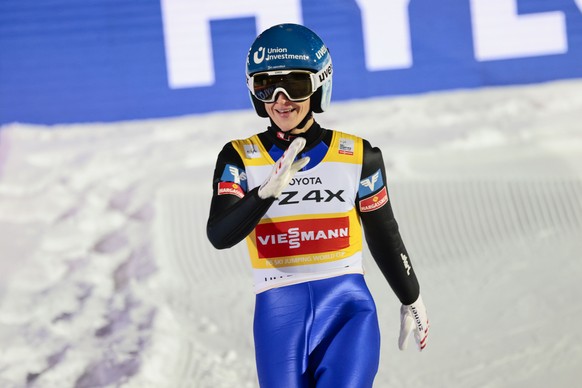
(311,133)
(303,126)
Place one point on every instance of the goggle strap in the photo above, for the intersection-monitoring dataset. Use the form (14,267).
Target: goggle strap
(324,74)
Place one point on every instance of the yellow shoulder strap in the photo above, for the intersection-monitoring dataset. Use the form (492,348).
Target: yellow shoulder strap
(345,148)
(252,151)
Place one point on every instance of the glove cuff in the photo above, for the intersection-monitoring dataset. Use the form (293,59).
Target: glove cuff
(417,303)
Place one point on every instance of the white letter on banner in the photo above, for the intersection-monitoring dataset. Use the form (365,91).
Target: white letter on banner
(579,4)
(386,34)
(500,33)
(187,37)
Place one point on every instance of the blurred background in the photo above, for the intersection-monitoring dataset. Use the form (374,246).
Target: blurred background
(112,113)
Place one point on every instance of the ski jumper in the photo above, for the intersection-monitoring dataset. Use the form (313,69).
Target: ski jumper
(315,321)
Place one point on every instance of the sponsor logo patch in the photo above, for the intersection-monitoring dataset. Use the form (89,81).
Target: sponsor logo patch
(230,188)
(374,202)
(346,146)
(252,151)
(302,237)
(285,136)
(370,184)
(235,175)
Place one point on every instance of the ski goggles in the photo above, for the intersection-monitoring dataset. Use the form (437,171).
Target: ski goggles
(297,85)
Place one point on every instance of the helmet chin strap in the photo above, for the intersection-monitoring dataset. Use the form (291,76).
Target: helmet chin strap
(303,122)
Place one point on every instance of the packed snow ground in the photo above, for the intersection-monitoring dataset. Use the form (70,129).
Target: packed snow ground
(107,279)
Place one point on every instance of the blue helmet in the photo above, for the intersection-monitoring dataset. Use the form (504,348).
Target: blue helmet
(291,47)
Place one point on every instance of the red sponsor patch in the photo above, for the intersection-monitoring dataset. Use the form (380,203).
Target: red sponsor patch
(230,188)
(374,202)
(285,136)
(302,237)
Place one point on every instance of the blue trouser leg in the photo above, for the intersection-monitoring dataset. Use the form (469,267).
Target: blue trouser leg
(322,333)
(281,325)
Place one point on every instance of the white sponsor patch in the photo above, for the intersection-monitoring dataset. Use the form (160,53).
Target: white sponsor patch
(252,151)
(346,147)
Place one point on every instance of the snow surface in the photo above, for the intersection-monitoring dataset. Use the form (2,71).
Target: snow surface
(107,279)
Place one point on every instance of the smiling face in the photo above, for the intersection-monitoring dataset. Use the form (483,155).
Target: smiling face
(287,114)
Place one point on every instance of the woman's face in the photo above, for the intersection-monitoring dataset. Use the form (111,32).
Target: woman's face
(287,114)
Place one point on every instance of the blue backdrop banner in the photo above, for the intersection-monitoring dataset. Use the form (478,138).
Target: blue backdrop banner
(64,61)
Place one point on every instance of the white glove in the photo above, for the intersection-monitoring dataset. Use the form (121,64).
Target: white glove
(284,170)
(413,318)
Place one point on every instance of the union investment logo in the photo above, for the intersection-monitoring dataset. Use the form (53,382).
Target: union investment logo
(259,55)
